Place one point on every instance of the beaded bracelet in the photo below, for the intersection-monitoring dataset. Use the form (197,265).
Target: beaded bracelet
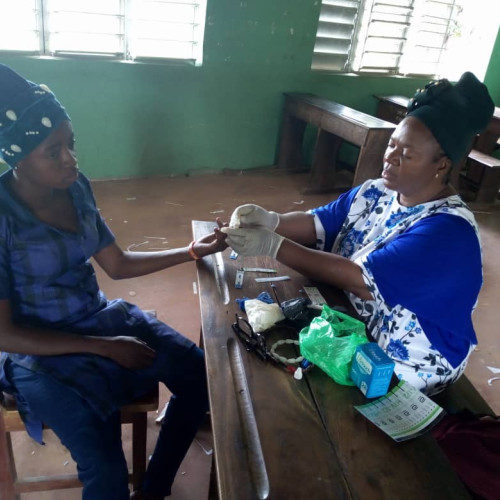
(192,252)
(304,365)
(282,359)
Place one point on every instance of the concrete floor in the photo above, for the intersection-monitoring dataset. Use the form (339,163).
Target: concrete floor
(149,214)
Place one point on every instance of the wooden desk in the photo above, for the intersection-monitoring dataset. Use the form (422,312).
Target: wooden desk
(488,140)
(392,107)
(315,444)
(336,123)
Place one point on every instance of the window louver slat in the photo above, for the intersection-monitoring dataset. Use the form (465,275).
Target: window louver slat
(333,62)
(335,32)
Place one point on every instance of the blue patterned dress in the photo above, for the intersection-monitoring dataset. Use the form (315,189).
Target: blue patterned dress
(422,265)
(47,276)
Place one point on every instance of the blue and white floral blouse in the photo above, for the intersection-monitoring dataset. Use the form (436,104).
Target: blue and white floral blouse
(423,267)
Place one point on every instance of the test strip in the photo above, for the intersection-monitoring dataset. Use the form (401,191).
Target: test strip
(274,278)
(238,282)
(259,270)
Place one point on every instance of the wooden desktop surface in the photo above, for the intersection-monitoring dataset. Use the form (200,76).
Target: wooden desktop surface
(315,444)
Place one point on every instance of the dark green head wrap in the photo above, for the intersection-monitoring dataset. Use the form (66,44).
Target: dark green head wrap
(453,113)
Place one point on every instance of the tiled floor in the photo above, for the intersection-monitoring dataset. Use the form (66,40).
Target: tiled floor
(147,214)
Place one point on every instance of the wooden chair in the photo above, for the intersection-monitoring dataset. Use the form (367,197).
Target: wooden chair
(12,486)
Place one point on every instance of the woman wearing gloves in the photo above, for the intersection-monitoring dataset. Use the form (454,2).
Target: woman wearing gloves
(404,247)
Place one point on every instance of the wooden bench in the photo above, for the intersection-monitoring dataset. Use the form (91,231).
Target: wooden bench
(11,486)
(481,171)
(336,123)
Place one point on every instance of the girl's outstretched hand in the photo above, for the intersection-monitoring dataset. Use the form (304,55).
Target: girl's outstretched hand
(211,243)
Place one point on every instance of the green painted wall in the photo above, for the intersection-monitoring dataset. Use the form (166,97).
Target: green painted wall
(492,77)
(136,120)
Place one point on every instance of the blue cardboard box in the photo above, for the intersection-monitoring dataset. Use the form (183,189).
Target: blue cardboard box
(371,370)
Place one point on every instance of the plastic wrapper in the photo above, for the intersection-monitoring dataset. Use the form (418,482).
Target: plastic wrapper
(262,316)
(330,341)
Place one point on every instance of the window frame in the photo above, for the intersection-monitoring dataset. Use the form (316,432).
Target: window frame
(42,10)
(361,34)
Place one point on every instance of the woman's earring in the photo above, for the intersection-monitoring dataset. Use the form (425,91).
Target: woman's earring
(437,176)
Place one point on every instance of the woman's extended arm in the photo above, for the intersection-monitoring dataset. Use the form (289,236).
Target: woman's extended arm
(297,226)
(318,265)
(324,267)
(296,231)
(129,352)
(120,264)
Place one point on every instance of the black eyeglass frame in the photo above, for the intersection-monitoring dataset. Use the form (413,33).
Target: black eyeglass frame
(253,341)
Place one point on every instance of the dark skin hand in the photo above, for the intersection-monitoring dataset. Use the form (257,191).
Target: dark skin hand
(119,264)
(129,352)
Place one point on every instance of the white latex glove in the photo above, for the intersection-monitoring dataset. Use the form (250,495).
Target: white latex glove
(252,242)
(254,216)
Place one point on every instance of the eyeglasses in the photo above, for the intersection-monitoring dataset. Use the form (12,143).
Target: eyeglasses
(255,342)
(252,341)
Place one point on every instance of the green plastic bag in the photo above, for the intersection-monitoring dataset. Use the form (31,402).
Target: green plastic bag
(330,341)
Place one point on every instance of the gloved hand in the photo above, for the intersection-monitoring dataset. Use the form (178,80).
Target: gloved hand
(254,216)
(252,242)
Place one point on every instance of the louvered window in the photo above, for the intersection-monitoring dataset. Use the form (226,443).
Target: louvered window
(398,36)
(21,26)
(385,27)
(125,29)
(336,29)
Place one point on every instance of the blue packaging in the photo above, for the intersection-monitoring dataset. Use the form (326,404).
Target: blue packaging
(371,370)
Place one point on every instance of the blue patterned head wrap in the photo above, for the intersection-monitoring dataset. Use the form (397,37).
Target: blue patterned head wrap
(29,113)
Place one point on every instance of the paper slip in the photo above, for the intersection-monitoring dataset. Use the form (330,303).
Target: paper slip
(314,296)
(403,413)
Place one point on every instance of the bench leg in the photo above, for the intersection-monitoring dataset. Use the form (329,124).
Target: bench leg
(489,186)
(200,342)
(139,436)
(322,178)
(290,148)
(213,490)
(8,473)
(371,156)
